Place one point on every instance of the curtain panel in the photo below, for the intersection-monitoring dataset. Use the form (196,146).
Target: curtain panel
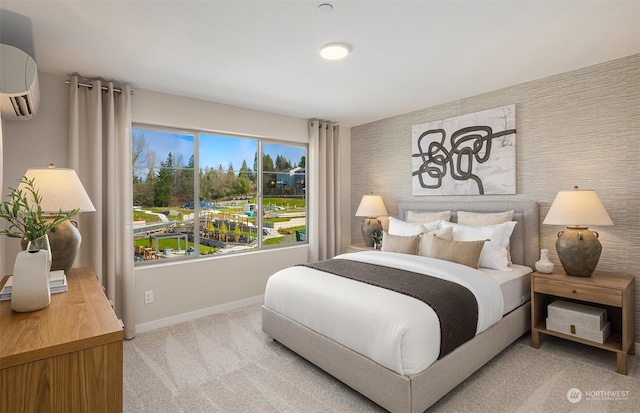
(100,152)
(324,195)
(2,239)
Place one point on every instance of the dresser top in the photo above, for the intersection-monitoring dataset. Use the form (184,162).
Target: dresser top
(79,318)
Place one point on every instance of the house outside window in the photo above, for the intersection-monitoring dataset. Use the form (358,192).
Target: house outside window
(200,194)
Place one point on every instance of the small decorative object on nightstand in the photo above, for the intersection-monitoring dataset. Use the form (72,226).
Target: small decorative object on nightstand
(544,266)
(377,239)
(613,291)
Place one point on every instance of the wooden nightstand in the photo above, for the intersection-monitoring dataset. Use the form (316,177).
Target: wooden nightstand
(358,247)
(615,292)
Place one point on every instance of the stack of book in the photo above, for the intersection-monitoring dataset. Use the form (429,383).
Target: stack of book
(57,283)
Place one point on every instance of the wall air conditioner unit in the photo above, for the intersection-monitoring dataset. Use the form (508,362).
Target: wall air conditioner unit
(19,91)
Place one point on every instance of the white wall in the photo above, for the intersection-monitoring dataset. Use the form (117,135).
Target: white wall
(193,287)
(35,143)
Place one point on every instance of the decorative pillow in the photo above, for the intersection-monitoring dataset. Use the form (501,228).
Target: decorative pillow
(423,217)
(486,218)
(491,218)
(463,252)
(494,252)
(402,244)
(400,227)
(424,246)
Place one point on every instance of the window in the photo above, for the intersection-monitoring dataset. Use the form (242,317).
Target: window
(197,194)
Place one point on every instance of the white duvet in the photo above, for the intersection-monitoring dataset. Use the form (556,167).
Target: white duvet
(397,331)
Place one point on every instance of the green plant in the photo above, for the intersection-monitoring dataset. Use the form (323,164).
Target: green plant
(25,215)
(377,236)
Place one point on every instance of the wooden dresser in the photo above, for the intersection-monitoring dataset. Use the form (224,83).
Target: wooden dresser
(66,357)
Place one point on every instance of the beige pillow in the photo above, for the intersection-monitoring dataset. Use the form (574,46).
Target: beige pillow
(486,218)
(462,252)
(424,246)
(423,217)
(477,218)
(398,243)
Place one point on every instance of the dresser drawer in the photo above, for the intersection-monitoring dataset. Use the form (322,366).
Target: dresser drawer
(577,291)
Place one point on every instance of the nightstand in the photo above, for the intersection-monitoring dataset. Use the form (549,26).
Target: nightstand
(358,247)
(615,292)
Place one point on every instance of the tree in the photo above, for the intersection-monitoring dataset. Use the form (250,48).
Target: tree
(139,150)
(182,184)
(282,164)
(164,183)
(267,163)
(303,162)
(244,170)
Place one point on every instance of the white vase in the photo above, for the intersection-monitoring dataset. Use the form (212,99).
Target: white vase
(544,266)
(41,243)
(30,289)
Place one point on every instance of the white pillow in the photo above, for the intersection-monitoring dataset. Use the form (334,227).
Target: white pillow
(405,229)
(486,218)
(494,252)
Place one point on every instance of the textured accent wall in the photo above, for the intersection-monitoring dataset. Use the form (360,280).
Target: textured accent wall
(577,128)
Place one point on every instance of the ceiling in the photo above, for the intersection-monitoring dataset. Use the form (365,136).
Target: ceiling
(406,55)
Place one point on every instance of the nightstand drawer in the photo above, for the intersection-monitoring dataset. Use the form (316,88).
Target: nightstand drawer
(577,291)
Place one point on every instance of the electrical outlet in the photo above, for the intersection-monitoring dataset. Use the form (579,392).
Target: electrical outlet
(148,297)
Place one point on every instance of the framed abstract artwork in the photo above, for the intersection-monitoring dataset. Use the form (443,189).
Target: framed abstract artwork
(472,154)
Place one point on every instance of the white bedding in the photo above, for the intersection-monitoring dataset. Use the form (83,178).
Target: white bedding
(515,285)
(404,333)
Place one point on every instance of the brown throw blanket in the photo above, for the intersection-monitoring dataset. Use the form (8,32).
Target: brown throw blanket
(455,305)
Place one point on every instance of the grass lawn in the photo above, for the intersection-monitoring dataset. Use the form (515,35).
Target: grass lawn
(173,244)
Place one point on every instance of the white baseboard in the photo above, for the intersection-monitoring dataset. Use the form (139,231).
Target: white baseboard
(180,318)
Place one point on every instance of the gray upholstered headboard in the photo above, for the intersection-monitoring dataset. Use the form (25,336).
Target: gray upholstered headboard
(525,240)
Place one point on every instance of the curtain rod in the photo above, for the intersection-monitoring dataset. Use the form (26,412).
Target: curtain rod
(89,85)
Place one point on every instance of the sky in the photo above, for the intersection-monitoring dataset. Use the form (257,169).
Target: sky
(215,150)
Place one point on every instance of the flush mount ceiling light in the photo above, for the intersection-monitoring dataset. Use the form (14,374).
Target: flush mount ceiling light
(335,51)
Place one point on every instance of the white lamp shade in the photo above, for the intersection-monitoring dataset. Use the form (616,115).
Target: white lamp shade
(578,208)
(60,189)
(371,206)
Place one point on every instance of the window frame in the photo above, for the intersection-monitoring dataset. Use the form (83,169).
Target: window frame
(259,195)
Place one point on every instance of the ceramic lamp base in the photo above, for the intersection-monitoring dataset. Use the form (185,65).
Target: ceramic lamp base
(579,251)
(65,241)
(368,226)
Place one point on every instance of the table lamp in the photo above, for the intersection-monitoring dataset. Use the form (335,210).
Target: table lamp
(371,207)
(578,248)
(61,189)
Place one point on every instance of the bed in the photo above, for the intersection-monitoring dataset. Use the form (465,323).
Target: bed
(417,388)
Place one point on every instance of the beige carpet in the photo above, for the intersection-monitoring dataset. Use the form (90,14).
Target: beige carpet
(225,363)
